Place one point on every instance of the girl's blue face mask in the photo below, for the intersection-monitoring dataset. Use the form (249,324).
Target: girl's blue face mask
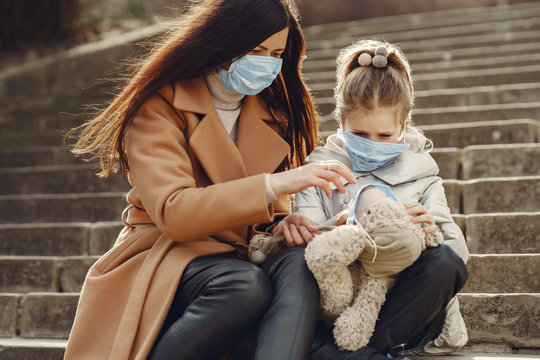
(367,155)
(250,74)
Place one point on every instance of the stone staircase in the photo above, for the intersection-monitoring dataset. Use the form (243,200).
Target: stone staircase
(478,99)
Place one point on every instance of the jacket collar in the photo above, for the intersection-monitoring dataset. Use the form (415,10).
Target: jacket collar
(407,166)
(258,147)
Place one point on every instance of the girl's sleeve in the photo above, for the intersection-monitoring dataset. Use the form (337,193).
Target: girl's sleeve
(160,169)
(434,200)
(309,203)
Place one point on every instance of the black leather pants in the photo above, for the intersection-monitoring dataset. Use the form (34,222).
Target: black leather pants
(221,300)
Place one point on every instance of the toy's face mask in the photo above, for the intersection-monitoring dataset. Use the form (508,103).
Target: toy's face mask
(364,198)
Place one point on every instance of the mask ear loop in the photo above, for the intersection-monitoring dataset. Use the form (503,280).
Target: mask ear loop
(353,220)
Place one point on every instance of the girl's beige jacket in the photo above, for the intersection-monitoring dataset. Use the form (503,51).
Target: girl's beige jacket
(195,192)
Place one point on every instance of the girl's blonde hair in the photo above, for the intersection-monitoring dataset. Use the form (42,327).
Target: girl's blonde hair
(369,87)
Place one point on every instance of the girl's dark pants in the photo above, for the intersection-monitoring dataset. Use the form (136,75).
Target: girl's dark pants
(222,303)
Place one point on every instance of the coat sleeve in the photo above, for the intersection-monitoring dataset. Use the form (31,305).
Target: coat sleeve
(160,169)
(434,200)
(309,203)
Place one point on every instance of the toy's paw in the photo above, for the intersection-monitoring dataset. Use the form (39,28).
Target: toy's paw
(351,331)
(434,239)
(336,288)
(341,245)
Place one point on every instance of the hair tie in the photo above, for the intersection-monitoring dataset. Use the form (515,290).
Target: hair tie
(380,59)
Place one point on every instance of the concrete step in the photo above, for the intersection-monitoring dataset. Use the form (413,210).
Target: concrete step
(342,39)
(512,319)
(483,133)
(472,113)
(60,121)
(19,140)
(461,135)
(485,233)
(426,57)
(61,208)
(481,161)
(21,274)
(470,96)
(503,273)
(478,103)
(57,179)
(470,64)
(496,195)
(493,195)
(46,349)
(449,43)
(32,349)
(478,95)
(449,162)
(491,318)
(502,233)
(38,315)
(462,355)
(463,114)
(37,156)
(58,239)
(427,20)
(454,79)
(328,73)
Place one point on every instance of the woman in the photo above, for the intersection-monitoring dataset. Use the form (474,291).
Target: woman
(208,130)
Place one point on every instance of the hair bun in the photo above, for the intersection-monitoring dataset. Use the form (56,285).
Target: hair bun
(380,61)
(382,50)
(364,59)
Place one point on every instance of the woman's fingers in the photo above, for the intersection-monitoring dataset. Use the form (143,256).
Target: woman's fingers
(287,234)
(296,237)
(298,230)
(306,235)
(340,169)
(334,171)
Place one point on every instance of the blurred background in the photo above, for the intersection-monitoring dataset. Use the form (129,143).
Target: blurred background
(476,69)
(30,28)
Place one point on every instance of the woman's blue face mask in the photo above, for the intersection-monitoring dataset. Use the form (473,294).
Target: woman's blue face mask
(367,155)
(250,74)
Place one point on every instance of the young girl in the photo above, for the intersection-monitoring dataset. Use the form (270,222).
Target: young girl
(377,141)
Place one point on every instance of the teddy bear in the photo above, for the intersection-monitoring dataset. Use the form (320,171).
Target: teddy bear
(356,264)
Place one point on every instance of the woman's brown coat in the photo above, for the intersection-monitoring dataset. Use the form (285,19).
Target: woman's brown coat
(195,193)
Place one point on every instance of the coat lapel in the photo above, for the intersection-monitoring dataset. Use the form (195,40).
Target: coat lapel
(261,147)
(210,142)
(258,147)
(216,151)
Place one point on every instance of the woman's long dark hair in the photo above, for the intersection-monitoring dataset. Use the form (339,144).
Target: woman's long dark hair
(210,33)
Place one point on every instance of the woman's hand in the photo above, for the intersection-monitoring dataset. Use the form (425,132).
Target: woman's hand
(319,174)
(420,215)
(297,229)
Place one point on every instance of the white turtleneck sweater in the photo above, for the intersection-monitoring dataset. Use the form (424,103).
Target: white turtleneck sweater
(229,105)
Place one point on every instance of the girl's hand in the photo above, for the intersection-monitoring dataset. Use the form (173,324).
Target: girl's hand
(297,229)
(420,215)
(319,174)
